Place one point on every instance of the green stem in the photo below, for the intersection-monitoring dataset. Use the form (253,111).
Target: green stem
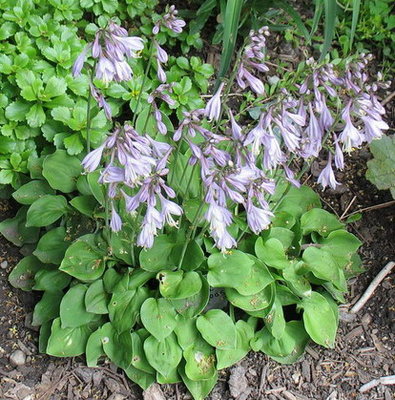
(88,121)
(147,70)
(191,233)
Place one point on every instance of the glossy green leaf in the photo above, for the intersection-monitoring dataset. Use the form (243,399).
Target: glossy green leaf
(227,270)
(47,308)
(31,191)
(274,320)
(227,358)
(192,306)
(142,379)
(179,285)
(200,360)
(256,281)
(319,319)
(164,355)
(118,347)
(217,329)
(139,360)
(297,282)
(199,389)
(342,245)
(324,266)
(52,246)
(290,347)
(83,261)
(94,348)
(72,308)
(158,317)
(51,280)
(271,252)
(61,171)
(84,204)
(256,302)
(124,308)
(46,210)
(67,342)
(158,257)
(15,230)
(321,221)
(96,298)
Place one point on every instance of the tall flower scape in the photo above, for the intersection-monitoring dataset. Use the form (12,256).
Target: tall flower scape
(333,111)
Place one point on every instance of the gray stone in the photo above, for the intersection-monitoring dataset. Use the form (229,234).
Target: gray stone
(17,358)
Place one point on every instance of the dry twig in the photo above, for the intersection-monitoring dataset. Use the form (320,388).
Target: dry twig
(372,287)
(384,380)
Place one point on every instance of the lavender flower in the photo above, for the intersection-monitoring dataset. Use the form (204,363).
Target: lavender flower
(258,219)
(327,176)
(116,222)
(111,47)
(101,102)
(213,107)
(253,60)
(170,21)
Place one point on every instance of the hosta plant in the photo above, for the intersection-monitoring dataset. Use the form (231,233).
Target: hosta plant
(181,238)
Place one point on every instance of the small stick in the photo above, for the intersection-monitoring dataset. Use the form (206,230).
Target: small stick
(371,208)
(348,207)
(388,99)
(372,287)
(384,380)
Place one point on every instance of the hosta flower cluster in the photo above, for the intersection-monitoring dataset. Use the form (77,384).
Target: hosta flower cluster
(146,197)
(335,110)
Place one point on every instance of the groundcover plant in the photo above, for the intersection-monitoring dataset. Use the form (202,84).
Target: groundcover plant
(168,233)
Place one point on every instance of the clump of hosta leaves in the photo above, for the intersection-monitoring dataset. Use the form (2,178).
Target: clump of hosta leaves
(165,322)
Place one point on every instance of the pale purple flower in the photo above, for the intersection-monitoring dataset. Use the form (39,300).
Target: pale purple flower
(160,72)
(171,21)
(111,46)
(151,223)
(339,157)
(101,102)
(92,159)
(79,62)
(213,107)
(161,54)
(258,219)
(290,176)
(116,222)
(350,136)
(327,176)
(220,218)
(373,127)
(168,209)
(254,83)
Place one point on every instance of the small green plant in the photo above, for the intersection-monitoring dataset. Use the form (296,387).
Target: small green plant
(381,170)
